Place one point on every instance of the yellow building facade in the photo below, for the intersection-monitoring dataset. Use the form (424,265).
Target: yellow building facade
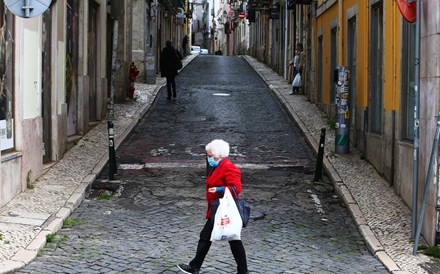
(377,44)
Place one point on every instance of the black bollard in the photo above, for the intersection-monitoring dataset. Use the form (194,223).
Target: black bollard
(111,152)
(319,159)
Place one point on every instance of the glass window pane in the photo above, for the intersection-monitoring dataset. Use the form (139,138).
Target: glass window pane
(6,79)
(408,86)
(376,73)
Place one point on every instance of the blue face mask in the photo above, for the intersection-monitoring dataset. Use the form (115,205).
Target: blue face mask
(212,162)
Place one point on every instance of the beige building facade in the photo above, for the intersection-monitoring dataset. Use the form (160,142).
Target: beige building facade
(55,73)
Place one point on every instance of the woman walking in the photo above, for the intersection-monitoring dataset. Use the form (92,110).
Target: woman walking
(223,174)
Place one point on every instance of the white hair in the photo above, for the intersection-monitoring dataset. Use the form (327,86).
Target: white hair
(218,148)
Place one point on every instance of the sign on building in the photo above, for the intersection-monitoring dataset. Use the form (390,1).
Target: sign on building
(27,8)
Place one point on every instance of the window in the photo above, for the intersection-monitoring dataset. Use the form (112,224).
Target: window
(6,78)
(376,68)
(408,80)
(333,63)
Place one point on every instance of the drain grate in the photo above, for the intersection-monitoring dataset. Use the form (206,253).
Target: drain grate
(95,193)
(103,187)
(432,268)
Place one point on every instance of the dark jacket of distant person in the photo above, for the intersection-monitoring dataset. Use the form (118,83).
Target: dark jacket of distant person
(169,61)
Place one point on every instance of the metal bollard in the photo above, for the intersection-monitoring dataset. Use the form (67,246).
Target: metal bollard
(320,157)
(111,151)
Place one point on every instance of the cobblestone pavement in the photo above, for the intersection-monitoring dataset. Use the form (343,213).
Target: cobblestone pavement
(151,227)
(383,220)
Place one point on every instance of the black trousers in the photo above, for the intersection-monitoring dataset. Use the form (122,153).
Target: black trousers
(171,83)
(237,249)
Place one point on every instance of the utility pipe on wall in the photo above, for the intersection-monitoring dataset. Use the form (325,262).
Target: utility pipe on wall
(340,33)
(286,40)
(294,30)
(115,13)
(416,120)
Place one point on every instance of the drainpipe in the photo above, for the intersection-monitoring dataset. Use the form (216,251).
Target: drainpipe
(150,63)
(286,42)
(340,32)
(115,14)
(416,120)
(300,28)
(294,29)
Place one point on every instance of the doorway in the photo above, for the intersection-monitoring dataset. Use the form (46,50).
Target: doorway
(92,59)
(46,85)
(72,66)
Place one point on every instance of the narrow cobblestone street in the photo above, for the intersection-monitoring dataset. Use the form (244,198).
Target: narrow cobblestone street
(152,221)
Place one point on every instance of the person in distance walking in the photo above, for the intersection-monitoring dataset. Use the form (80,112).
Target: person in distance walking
(170,59)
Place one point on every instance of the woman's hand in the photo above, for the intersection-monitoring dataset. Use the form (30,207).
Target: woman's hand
(218,189)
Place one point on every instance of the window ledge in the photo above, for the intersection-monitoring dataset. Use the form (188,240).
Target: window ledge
(11,156)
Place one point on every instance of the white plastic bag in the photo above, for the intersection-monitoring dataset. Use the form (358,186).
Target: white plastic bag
(297,81)
(227,220)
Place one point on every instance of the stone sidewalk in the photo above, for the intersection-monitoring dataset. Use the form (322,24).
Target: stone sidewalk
(380,215)
(383,220)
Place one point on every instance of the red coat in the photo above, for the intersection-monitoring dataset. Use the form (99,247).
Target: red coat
(226,174)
